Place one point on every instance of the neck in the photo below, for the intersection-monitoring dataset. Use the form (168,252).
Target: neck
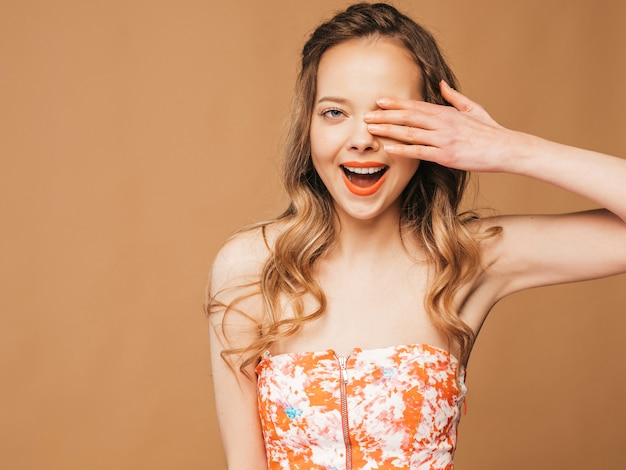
(363,240)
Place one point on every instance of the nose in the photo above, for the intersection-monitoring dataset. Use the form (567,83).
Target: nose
(361,140)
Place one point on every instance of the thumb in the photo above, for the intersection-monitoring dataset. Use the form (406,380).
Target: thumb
(456,99)
(464,104)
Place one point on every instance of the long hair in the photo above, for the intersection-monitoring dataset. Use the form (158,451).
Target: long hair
(429,203)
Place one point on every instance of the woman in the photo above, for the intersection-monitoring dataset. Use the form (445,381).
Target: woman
(340,330)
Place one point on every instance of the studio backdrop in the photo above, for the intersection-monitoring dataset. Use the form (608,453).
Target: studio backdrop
(136,135)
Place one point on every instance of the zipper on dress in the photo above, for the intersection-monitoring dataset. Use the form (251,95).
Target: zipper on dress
(344,408)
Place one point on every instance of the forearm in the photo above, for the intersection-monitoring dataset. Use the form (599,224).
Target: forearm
(598,177)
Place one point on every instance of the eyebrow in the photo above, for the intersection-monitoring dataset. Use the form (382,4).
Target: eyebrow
(336,99)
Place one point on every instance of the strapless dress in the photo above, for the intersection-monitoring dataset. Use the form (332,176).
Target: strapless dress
(389,408)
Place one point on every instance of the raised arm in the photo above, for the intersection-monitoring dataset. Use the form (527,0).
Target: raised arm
(237,265)
(532,250)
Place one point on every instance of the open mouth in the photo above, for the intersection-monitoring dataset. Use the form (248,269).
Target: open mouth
(364,179)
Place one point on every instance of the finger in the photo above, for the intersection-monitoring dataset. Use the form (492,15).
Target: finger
(418,152)
(402,118)
(403,103)
(455,98)
(464,104)
(406,134)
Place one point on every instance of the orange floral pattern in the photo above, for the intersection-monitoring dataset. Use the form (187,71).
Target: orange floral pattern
(402,405)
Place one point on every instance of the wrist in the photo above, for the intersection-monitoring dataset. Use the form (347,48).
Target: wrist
(524,153)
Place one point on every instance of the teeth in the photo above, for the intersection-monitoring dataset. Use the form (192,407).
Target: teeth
(364,171)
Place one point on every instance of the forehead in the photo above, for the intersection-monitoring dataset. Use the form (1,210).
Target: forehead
(381,66)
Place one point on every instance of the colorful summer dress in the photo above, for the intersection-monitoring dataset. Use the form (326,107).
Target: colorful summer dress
(389,408)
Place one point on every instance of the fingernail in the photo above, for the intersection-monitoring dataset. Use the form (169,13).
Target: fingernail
(383,101)
(367,116)
(390,148)
(373,127)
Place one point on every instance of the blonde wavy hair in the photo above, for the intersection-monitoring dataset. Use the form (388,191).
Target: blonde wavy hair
(429,209)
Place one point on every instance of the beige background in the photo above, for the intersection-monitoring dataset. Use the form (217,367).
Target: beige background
(136,135)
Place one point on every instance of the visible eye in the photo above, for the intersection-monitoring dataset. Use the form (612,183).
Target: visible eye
(332,113)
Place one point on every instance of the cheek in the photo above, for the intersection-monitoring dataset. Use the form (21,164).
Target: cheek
(326,142)
(409,170)
(415,165)
(317,150)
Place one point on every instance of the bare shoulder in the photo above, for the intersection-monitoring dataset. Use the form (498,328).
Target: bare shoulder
(241,259)
(517,232)
(539,250)
(504,237)
(234,283)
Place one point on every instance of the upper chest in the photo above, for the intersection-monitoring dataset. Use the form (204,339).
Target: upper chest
(369,307)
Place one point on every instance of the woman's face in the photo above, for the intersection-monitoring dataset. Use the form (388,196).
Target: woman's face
(364,181)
